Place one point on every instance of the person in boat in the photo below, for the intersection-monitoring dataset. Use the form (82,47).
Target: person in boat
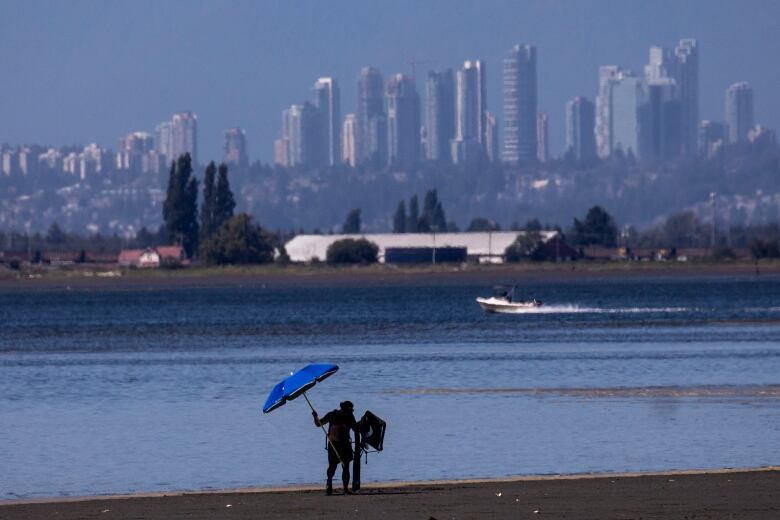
(339,422)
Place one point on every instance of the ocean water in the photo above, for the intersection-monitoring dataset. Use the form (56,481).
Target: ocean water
(115,391)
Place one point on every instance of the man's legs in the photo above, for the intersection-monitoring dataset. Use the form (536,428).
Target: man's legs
(345,477)
(331,472)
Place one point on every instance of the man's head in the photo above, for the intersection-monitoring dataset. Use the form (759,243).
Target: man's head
(346,406)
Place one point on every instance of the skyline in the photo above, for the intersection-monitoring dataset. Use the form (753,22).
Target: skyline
(238,93)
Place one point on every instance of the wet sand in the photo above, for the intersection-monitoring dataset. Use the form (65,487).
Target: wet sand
(719,494)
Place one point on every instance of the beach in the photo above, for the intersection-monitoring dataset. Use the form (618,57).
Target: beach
(744,494)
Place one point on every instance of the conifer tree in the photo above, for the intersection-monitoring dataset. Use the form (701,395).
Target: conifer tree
(352,223)
(399,220)
(180,209)
(224,202)
(412,224)
(207,208)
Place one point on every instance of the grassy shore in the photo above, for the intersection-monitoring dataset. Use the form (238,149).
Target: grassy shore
(322,274)
(715,494)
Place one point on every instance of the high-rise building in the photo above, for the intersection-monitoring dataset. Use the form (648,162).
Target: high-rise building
(327,99)
(660,64)
(663,130)
(739,111)
(349,140)
(520,105)
(604,134)
(163,143)
(88,163)
(580,121)
(281,150)
(378,140)
(712,135)
(542,137)
(687,78)
(184,135)
(629,114)
(136,153)
(761,135)
(370,105)
(491,137)
(234,151)
(680,67)
(471,106)
(301,134)
(440,114)
(403,121)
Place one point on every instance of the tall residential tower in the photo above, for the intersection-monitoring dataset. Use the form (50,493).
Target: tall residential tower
(327,99)
(739,111)
(403,121)
(440,114)
(370,115)
(520,105)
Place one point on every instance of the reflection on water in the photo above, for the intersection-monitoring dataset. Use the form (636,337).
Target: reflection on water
(121,391)
(753,391)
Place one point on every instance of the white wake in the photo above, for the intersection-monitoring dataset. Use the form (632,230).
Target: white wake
(576,309)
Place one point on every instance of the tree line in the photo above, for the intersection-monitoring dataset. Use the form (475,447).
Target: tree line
(216,235)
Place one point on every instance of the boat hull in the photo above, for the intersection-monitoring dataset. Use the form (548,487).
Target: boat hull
(502,306)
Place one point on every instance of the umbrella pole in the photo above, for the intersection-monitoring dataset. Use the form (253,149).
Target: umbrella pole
(323,431)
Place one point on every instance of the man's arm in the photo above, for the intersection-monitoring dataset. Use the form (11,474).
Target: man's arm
(319,422)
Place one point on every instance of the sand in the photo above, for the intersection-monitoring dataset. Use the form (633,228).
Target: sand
(718,494)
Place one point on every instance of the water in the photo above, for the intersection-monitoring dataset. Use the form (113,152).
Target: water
(150,390)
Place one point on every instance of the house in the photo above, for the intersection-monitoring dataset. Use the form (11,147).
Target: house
(151,256)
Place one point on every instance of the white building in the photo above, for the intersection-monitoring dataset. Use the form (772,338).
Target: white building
(485,247)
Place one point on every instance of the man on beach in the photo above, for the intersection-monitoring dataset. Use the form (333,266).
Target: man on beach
(340,422)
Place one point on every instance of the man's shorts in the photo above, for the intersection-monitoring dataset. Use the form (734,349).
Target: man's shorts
(345,451)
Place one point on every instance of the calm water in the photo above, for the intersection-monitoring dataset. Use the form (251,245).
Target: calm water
(122,391)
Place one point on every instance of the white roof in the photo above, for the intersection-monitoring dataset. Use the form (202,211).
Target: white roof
(304,248)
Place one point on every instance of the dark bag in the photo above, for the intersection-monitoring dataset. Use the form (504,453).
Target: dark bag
(372,431)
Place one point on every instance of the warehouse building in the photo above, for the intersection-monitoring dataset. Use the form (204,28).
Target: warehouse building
(483,247)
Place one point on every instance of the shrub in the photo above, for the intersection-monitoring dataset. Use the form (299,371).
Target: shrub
(239,241)
(350,251)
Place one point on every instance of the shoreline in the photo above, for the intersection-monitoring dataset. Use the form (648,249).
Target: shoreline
(296,488)
(749,493)
(106,277)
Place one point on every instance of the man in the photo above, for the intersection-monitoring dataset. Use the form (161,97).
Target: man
(340,422)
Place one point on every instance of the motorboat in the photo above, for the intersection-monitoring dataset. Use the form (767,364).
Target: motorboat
(505,302)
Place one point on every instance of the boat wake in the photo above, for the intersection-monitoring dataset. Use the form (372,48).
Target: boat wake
(576,309)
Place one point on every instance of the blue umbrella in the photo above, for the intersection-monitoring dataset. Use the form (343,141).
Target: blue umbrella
(297,384)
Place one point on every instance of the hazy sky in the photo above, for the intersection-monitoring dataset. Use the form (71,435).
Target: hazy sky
(81,71)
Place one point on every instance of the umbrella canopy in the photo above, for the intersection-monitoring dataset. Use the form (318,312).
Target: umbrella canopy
(297,383)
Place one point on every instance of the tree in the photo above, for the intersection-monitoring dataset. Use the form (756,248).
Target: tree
(533,225)
(55,235)
(351,251)
(180,209)
(433,217)
(238,241)
(413,222)
(598,229)
(524,247)
(681,230)
(483,224)
(225,203)
(399,219)
(207,209)
(352,222)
